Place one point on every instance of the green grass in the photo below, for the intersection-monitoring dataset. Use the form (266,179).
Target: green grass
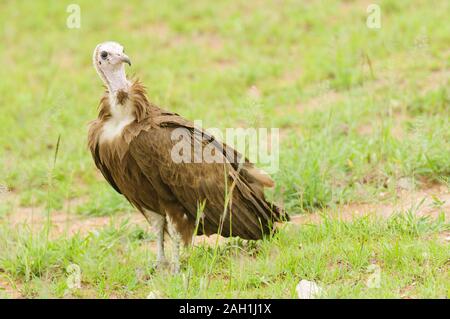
(358,109)
(116,262)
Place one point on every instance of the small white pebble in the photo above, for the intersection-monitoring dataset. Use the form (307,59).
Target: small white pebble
(308,290)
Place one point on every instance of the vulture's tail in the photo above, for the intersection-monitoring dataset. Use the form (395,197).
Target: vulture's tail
(272,215)
(253,217)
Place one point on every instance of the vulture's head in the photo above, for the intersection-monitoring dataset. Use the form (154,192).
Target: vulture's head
(109,59)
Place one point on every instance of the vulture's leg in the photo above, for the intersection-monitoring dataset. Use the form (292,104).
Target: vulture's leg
(176,254)
(176,242)
(180,229)
(159,224)
(160,256)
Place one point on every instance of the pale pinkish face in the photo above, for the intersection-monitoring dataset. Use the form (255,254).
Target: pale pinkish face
(109,56)
(109,60)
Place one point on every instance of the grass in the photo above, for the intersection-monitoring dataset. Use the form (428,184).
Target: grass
(115,262)
(358,110)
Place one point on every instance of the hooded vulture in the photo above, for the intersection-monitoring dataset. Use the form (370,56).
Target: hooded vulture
(132,144)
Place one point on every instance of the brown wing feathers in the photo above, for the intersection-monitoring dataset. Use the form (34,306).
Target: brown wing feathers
(192,183)
(180,187)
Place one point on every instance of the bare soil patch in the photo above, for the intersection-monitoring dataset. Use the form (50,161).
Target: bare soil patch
(69,224)
(62,222)
(430,201)
(7,290)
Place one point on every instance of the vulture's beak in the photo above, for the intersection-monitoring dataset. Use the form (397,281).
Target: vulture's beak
(124,58)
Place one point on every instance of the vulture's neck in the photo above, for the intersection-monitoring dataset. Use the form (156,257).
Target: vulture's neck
(116,80)
(127,103)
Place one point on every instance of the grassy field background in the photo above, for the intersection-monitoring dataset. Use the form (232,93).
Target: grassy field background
(364,121)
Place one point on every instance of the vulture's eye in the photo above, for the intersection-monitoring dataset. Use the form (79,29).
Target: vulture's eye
(103,54)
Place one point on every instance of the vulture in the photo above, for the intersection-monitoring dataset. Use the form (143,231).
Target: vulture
(132,142)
